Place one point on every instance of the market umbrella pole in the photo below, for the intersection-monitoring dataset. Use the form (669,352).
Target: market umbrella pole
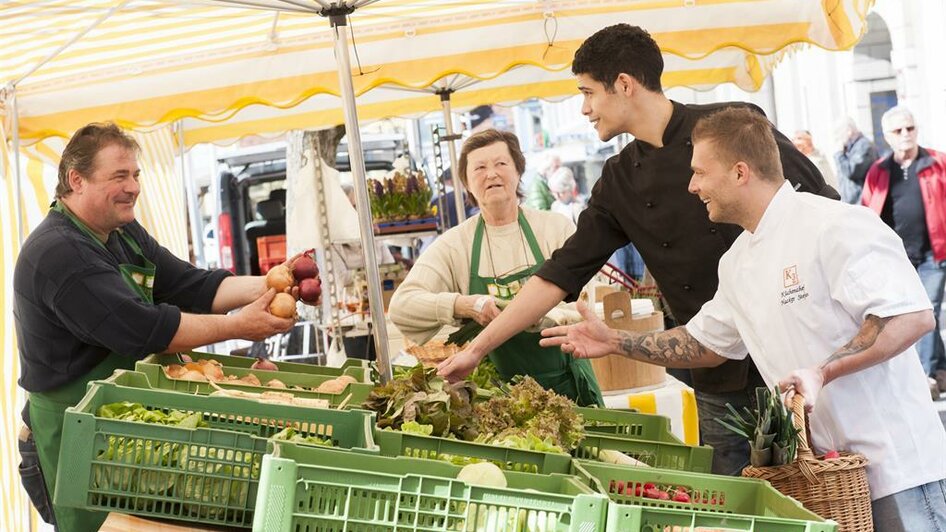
(365,223)
(17,174)
(451,145)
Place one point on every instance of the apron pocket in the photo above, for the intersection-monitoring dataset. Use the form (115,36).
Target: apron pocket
(32,478)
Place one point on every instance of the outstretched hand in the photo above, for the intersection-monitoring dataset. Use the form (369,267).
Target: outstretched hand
(255,321)
(589,339)
(458,366)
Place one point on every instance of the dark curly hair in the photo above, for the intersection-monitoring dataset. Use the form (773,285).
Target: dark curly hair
(617,49)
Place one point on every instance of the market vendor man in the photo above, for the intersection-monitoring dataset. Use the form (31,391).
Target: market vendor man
(823,297)
(642,198)
(487,258)
(93,292)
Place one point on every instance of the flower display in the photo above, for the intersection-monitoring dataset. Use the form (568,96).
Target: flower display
(400,196)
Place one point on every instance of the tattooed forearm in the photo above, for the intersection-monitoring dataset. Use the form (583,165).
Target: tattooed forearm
(864,339)
(673,348)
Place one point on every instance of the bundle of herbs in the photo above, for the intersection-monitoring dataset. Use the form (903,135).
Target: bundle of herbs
(773,438)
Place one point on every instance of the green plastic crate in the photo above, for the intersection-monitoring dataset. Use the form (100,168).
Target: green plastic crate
(158,379)
(716,502)
(357,368)
(666,455)
(310,489)
(207,475)
(396,443)
(628,423)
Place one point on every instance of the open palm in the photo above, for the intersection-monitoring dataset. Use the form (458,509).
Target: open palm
(589,339)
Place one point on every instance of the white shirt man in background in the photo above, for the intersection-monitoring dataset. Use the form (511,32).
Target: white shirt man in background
(823,297)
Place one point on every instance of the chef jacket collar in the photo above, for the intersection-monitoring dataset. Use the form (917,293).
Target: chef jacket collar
(779,205)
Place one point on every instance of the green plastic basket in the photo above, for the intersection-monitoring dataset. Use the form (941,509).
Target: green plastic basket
(311,489)
(666,455)
(358,391)
(628,423)
(731,503)
(396,443)
(207,475)
(357,368)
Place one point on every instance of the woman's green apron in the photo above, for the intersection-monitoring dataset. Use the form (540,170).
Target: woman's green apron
(47,409)
(522,354)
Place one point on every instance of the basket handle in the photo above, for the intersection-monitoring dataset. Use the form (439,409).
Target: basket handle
(805,457)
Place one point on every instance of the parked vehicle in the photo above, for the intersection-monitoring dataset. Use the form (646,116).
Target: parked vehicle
(253,199)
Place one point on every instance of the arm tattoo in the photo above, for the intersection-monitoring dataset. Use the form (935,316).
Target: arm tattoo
(864,340)
(662,348)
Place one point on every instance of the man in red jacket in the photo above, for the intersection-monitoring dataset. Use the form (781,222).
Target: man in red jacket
(908,190)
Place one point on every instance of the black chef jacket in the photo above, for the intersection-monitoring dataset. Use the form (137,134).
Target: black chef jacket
(642,197)
(72,307)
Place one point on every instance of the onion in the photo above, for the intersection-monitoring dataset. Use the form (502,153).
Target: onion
(304,268)
(310,290)
(279,278)
(186,358)
(283,306)
(213,372)
(193,375)
(276,383)
(262,363)
(347,379)
(249,378)
(174,371)
(332,386)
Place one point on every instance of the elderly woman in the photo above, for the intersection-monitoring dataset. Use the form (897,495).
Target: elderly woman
(488,257)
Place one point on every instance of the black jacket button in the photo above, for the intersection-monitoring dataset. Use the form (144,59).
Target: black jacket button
(687,287)
(665,244)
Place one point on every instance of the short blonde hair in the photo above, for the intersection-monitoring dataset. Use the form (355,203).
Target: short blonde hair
(741,134)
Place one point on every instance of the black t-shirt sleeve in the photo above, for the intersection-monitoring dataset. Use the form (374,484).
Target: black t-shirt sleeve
(177,282)
(596,238)
(98,307)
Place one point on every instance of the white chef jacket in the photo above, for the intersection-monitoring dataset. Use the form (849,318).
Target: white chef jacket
(799,288)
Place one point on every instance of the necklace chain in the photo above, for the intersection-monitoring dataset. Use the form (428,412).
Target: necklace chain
(489,245)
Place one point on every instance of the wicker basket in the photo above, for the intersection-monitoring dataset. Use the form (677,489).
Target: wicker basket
(834,489)
(432,353)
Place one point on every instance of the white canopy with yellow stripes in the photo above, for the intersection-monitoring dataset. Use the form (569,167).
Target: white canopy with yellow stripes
(145,63)
(225,70)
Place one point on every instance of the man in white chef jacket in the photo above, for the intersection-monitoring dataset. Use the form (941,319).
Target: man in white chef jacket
(821,293)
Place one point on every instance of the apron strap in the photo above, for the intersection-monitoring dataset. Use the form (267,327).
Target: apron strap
(530,238)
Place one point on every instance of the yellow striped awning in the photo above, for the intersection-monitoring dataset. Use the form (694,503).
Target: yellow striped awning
(146,63)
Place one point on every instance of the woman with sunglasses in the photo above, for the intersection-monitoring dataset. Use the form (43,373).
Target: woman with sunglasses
(487,258)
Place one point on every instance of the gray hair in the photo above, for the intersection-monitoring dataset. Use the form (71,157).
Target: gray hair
(898,110)
(562,180)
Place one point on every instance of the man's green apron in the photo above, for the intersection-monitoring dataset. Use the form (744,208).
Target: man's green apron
(47,409)
(522,354)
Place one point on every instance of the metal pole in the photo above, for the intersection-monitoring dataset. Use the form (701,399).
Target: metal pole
(196,221)
(18,176)
(454,167)
(365,225)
